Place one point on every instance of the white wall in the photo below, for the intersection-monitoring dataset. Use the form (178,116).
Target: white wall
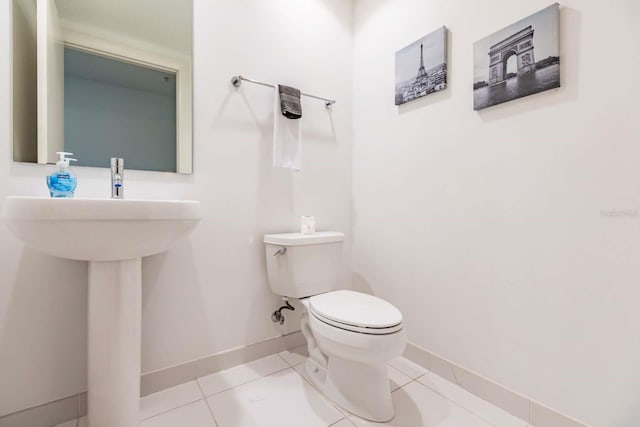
(486,229)
(209,293)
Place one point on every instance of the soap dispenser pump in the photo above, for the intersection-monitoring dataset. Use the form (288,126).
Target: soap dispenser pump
(62,183)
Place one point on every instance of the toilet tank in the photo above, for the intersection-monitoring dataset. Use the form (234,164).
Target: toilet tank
(310,265)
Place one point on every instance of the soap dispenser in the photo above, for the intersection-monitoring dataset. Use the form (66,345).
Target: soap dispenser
(62,183)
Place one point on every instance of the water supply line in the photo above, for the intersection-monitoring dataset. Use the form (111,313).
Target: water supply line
(277,316)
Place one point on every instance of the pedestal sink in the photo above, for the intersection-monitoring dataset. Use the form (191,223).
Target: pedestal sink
(113,236)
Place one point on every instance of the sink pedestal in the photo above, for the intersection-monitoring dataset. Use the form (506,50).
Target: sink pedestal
(115,295)
(113,235)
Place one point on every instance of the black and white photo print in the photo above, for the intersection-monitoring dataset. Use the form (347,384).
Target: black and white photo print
(421,67)
(519,60)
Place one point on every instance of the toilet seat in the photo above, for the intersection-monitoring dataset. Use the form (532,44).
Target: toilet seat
(356,312)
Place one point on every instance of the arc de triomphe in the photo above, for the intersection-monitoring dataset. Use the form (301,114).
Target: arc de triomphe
(519,44)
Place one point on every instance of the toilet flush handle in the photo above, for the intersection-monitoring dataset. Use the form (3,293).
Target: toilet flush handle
(280,251)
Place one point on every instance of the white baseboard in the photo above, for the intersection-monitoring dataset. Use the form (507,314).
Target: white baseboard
(155,381)
(529,410)
(72,407)
(45,415)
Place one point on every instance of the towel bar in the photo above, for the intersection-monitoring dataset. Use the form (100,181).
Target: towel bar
(237,81)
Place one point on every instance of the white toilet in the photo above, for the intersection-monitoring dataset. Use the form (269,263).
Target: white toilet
(350,335)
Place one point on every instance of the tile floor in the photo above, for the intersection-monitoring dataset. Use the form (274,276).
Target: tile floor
(275,392)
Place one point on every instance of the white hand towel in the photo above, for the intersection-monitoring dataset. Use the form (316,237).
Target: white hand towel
(287,138)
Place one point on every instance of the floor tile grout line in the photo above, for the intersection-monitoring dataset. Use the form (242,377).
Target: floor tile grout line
(173,409)
(243,364)
(285,360)
(238,385)
(471,411)
(439,393)
(525,423)
(423,375)
(354,415)
(340,420)
(206,399)
(408,374)
(177,407)
(206,402)
(331,402)
(200,388)
(396,369)
(446,398)
(292,367)
(289,363)
(412,381)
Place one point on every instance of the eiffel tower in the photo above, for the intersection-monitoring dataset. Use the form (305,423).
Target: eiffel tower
(421,71)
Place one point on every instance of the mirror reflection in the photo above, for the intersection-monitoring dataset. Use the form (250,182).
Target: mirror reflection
(103,79)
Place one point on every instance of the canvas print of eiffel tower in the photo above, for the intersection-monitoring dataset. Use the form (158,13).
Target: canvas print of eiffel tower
(421,67)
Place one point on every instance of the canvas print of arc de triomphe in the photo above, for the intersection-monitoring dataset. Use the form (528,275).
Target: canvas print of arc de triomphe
(519,60)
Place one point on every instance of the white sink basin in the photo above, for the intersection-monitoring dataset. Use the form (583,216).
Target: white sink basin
(99,229)
(113,235)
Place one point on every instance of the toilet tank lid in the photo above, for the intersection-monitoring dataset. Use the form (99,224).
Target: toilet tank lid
(299,239)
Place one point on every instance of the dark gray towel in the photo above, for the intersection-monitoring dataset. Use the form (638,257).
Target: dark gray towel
(290,102)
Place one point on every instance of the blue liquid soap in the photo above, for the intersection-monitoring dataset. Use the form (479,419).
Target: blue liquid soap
(62,183)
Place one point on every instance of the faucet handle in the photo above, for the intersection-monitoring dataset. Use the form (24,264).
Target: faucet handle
(117,163)
(117,178)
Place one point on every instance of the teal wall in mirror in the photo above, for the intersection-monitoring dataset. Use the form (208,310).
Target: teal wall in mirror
(103,79)
(118,109)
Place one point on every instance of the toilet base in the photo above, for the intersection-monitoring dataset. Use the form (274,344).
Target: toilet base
(358,388)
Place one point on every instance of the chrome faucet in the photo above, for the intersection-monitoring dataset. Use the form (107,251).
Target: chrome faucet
(117,178)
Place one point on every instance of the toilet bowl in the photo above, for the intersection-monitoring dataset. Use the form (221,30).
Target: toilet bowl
(350,335)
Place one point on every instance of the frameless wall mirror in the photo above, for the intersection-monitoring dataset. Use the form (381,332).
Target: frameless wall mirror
(103,79)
